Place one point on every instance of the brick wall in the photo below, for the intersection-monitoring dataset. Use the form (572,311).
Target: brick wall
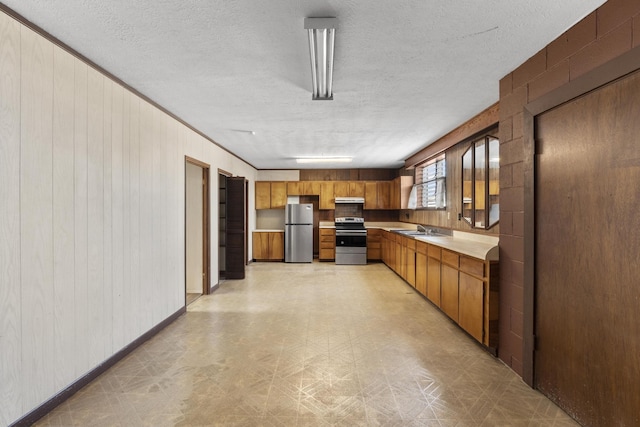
(605,34)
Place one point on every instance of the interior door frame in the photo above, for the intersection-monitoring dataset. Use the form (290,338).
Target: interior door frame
(206,249)
(615,69)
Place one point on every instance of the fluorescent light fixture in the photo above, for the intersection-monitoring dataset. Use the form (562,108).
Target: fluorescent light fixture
(322,32)
(323,159)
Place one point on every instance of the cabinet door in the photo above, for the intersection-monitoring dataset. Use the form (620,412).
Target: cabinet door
(276,246)
(278,195)
(410,263)
(399,260)
(394,194)
(370,195)
(260,245)
(392,251)
(374,244)
(433,280)
(263,195)
(471,298)
(295,188)
(341,188)
(383,195)
(327,197)
(421,273)
(449,291)
(311,188)
(356,188)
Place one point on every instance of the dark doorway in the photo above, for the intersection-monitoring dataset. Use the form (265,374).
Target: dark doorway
(587,274)
(235,228)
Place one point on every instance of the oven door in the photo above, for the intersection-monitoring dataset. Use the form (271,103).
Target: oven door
(351,240)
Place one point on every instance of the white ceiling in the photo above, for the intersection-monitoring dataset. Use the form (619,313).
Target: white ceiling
(406,72)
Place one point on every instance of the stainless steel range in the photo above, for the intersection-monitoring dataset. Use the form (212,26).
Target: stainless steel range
(351,241)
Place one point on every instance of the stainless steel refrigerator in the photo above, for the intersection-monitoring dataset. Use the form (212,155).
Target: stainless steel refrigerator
(298,233)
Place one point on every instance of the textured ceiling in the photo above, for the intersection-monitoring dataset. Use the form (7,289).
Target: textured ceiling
(406,72)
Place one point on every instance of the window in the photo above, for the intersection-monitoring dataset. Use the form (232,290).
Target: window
(429,191)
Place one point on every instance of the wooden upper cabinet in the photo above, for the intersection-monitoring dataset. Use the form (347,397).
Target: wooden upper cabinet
(370,195)
(349,188)
(295,188)
(341,188)
(394,194)
(356,188)
(311,188)
(303,188)
(278,195)
(327,196)
(271,194)
(383,191)
(263,195)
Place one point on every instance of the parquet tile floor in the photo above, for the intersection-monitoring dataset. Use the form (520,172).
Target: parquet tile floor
(310,345)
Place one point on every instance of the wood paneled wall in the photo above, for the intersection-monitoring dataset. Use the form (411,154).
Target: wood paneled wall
(91,217)
(449,218)
(348,174)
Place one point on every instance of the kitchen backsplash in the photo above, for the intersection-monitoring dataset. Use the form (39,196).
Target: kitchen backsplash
(349,209)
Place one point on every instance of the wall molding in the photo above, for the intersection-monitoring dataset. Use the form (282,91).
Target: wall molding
(24,21)
(42,410)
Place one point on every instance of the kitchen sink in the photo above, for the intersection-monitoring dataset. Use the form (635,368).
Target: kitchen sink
(406,232)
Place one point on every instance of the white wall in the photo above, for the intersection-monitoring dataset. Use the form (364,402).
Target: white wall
(91,217)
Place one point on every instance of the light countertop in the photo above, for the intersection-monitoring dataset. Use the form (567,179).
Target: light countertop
(479,246)
(265,230)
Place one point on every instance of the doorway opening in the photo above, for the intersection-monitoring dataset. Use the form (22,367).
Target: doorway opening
(197,263)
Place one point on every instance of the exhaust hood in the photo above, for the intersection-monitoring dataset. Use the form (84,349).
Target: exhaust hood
(359,200)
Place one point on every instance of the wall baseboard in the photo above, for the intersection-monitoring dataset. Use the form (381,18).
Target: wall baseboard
(42,410)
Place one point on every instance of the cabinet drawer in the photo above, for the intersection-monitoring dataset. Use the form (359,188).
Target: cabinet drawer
(328,238)
(433,251)
(474,267)
(450,258)
(421,248)
(411,244)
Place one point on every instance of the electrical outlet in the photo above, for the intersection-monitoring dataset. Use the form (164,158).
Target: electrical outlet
(448,215)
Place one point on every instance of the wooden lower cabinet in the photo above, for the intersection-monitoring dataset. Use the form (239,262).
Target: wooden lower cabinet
(374,244)
(399,259)
(433,274)
(464,288)
(421,268)
(268,245)
(410,261)
(449,291)
(471,305)
(327,244)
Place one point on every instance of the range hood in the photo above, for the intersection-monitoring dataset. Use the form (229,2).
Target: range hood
(352,200)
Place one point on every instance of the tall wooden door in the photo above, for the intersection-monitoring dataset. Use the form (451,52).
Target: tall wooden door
(587,294)
(235,251)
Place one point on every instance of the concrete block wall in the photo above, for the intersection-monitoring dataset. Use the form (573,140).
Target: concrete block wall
(603,35)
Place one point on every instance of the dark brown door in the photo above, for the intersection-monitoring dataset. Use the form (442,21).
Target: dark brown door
(587,325)
(235,251)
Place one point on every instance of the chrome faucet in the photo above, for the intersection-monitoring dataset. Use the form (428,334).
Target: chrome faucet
(421,228)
